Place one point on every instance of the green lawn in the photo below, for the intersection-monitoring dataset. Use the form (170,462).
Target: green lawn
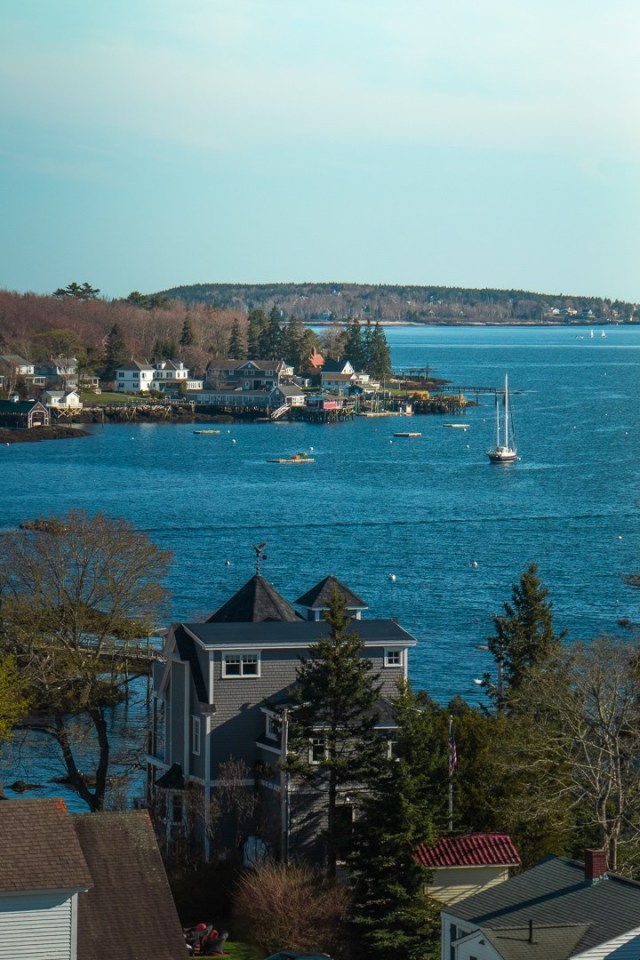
(241,951)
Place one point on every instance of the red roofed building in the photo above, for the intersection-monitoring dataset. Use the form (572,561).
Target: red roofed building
(464,866)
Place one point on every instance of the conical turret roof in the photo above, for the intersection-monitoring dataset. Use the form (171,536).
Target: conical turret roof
(256,601)
(318,597)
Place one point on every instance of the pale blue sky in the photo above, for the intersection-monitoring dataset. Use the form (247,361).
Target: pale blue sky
(476,143)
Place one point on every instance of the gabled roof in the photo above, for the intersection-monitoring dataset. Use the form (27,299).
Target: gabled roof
(18,406)
(555,893)
(135,365)
(186,649)
(254,602)
(319,597)
(335,366)
(129,913)
(40,849)
(472,850)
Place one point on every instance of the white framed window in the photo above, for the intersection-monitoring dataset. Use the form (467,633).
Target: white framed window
(271,728)
(317,750)
(392,749)
(393,657)
(195,736)
(240,665)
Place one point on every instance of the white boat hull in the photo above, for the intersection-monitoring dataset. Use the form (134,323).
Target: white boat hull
(502,455)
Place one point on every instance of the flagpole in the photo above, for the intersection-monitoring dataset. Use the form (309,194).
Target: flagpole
(453,763)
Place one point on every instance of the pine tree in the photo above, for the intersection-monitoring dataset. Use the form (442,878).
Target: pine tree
(379,360)
(525,638)
(186,337)
(333,739)
(116,352)
(256,323)
(235,350)
(354,348)
(391,914)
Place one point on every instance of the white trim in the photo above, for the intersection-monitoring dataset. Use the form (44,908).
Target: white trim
(393,651)
(195,735)
(252,656)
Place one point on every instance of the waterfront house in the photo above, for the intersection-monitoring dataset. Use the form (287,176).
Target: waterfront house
(169,376)
(14,368)
(82,887)
(19,414)
(220,693)
(134,377)
(557,910)
(58,373)
(62,399)
(463,866)
(248,374)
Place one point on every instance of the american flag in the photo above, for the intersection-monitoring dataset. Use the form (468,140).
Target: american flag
(453,753)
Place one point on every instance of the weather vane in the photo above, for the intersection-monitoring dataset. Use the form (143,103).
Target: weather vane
(260,555)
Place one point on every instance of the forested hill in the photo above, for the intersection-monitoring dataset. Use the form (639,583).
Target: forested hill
(327,302)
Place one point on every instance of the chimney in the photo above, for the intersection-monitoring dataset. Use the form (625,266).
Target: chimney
(595,865)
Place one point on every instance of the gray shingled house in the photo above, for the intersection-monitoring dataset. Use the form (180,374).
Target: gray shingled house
(557,910)
(221,693)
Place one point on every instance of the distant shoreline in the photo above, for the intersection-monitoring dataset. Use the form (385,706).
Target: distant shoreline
(35,434)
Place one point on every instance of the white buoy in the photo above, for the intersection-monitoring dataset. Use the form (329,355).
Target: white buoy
(392,577)
(233,441)
(227,563)
(474,563)
(619,537)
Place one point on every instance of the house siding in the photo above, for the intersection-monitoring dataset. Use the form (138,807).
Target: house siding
(37,927)
(626,947)
(452,885)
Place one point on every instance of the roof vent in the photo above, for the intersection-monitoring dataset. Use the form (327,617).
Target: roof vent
(595,865)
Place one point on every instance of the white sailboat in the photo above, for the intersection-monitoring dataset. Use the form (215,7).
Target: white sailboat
(503,451)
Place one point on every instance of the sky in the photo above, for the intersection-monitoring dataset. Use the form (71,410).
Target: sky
(146,144)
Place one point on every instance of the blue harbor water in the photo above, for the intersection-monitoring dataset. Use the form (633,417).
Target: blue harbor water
(453,530)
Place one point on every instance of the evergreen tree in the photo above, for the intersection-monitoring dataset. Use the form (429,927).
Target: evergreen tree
(354,347)
(333,739)
(272,339)
(294,344)
(379,355)
(235,350)
(116,352)
(391,914)
(256,323)
(186,337)
(524,639)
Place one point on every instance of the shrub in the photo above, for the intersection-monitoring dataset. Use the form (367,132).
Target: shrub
(293,907)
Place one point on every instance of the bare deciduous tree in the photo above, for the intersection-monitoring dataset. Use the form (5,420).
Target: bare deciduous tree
(78,596)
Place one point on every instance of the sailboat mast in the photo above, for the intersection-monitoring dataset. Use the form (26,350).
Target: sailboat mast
(506,411)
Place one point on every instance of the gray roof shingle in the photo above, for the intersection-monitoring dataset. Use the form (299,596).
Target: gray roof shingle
(254,602)
(39,849)
(129,913)
(555,893)
(319,596)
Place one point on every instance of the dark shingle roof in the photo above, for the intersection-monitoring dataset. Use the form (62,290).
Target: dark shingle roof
(39,849)
(300,633)
(319,597)
(546,943)
(555,893)
(472,850)
(255,602)
(188,653)
(129,913)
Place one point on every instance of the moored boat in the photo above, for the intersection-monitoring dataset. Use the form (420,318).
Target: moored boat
(504,450)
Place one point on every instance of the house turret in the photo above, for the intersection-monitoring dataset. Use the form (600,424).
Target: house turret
(316,601)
